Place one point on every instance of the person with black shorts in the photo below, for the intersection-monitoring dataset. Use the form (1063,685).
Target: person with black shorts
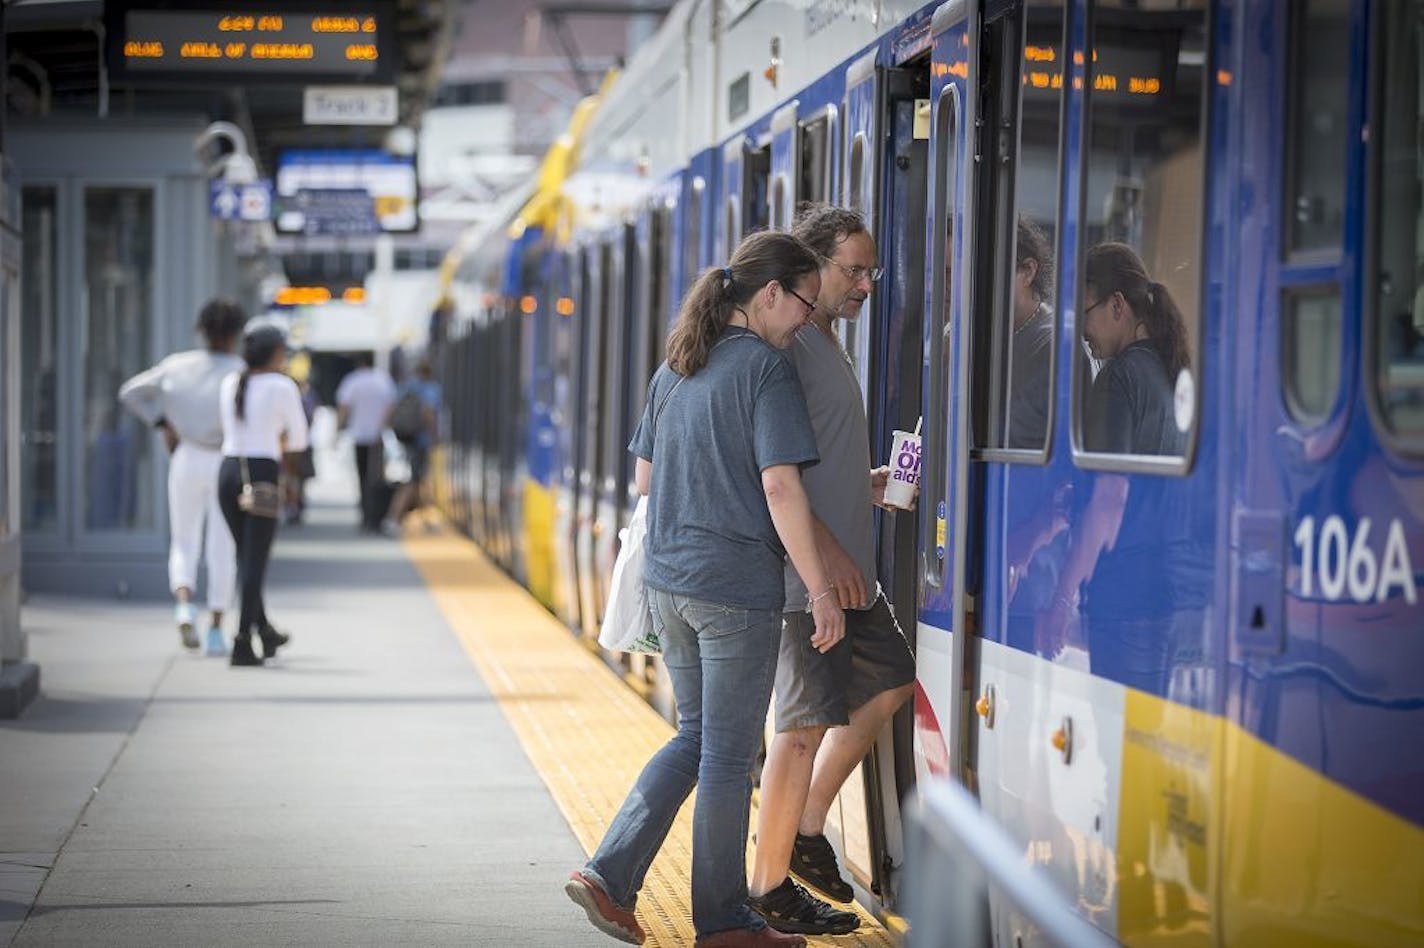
(847,694)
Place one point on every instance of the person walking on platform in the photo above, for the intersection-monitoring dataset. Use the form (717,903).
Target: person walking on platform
(414,419)
(363,400)
(262,417)
(719,451)
(179,397)
(852,690)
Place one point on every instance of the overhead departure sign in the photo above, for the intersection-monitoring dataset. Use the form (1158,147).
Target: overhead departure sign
(346,41)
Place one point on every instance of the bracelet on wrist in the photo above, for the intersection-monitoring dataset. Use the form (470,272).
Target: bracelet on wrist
(812,600)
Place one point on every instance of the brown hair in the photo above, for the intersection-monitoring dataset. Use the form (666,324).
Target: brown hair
(1032,244)
(823,227)
(762,258)
(220,321)
(259,345)
(1116,268)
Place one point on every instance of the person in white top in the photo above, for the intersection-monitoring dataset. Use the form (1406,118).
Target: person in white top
(262,418)
(179,397)
(364,399)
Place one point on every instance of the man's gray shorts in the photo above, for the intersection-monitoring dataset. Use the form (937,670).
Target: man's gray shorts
(815,690)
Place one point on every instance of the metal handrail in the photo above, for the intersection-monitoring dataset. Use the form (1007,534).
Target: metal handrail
(956,852)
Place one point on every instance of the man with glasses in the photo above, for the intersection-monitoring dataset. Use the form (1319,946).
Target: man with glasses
(853,689)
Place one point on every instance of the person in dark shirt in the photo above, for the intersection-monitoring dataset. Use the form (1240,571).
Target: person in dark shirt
(1130,569)
(1132,322)
(1032,344)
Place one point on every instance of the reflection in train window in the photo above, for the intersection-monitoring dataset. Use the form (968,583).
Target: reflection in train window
(1139,308)
(756,186)
(778,204)
(1399,326)
(1025,98)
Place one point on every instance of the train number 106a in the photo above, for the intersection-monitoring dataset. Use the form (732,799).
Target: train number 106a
(1340,566)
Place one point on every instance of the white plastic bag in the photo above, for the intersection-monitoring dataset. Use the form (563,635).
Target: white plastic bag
(628,620)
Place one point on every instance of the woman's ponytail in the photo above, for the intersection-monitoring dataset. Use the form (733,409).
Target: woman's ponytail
(1168,330)
(762,258)
(259,347)
(1116,268)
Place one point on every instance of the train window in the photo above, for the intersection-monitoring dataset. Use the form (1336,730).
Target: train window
(1399,320)
(756,186)
(813,184)
(1315,149)
(1024,103)
(1310,357)
(855,195)
(1139,304)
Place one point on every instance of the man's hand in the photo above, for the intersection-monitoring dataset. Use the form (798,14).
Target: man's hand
(830,624)
(841,573)
(170,437)
(879,477)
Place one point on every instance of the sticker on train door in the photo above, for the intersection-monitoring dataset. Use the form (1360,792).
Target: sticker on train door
(1335,566)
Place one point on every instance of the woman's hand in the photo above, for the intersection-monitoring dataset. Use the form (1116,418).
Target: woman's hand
(830,624)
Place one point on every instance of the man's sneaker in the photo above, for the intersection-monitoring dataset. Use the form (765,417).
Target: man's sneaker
(186,615)
(216,647)
(813,861)
(606,917)
(790,908)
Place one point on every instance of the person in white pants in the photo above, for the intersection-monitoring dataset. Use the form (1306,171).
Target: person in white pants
(179,396)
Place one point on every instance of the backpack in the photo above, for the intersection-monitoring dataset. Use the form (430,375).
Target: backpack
(408,416)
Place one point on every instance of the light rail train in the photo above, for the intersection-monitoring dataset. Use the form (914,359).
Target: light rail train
(1191,684)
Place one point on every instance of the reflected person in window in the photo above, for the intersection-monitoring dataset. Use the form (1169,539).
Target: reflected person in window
(1132,323)
(1032,344)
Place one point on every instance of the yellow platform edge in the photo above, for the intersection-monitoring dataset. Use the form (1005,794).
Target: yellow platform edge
(584,730)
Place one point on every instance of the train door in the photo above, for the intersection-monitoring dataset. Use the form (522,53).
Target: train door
(591,383)
(894,332)
(691,230)
(1326,665)
(816,148)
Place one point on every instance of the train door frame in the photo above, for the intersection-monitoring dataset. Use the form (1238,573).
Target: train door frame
(591,387)
(897,341)
(728,222)
(566,429)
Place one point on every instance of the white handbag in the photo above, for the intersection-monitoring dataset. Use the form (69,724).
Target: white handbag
(628,618)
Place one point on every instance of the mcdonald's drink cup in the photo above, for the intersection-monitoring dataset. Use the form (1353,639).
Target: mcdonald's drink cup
(904,470)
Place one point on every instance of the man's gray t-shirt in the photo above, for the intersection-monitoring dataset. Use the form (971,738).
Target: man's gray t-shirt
(710,534)
(839,486)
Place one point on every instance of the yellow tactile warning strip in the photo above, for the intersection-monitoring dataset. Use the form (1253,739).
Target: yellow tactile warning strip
(586,732)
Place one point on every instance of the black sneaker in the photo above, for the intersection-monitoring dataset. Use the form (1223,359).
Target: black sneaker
(791,909)
(813,861)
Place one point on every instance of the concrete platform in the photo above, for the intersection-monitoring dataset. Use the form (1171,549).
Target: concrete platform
(364,791)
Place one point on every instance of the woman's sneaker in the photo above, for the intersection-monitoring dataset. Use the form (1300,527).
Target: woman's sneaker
(216,647)
(813,861)
(790,908)
(186,615)
(605,916)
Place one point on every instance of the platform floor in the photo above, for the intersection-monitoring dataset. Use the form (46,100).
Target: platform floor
(421,767)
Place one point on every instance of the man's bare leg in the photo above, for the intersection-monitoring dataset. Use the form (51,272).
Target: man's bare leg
(785,780)
(840,752)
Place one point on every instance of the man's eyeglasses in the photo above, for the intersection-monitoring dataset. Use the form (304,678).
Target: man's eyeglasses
(857,274)
(810,307)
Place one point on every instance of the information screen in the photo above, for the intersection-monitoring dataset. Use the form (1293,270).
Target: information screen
(349,41)
(345,192)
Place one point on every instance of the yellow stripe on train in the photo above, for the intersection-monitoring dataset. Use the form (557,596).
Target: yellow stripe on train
(1301,860)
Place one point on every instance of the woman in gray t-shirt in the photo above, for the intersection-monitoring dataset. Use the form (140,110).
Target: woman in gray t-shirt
(719,454)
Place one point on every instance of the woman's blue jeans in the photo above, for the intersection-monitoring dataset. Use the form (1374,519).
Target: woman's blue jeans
(722,662)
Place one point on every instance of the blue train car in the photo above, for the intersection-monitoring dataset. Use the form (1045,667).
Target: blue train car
(1180,662)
